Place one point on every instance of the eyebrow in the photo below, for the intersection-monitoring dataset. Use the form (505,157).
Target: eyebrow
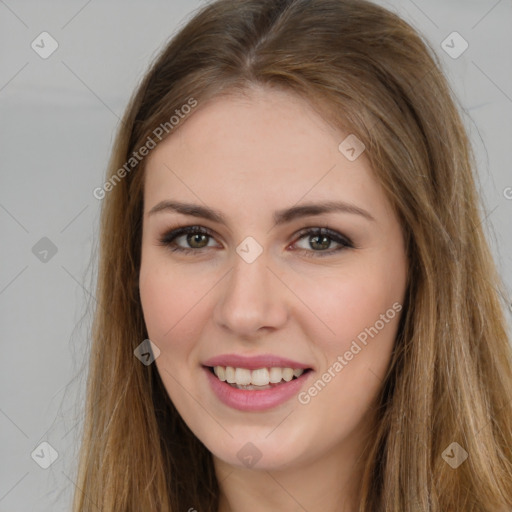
(280,216)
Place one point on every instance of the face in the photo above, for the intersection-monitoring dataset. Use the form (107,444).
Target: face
(269,278)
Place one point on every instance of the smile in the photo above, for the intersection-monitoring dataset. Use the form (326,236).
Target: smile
(261,378)
(255,390)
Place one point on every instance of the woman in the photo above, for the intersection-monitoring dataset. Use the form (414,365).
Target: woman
(233,366)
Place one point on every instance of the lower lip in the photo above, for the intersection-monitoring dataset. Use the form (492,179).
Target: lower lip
(255,400)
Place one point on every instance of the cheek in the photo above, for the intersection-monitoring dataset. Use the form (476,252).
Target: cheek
(172,320)
(168,291)
(156,303)
(356,359)
(348,303)
(171,304)
(365,310)
(369,314)
(360,310)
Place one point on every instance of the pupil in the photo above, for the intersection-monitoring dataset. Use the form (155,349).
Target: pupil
(325,239)
(196,238)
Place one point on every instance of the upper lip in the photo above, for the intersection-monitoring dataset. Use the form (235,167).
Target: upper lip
(254,362)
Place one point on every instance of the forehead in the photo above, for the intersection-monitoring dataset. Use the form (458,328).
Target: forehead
(258,125)
(266,146)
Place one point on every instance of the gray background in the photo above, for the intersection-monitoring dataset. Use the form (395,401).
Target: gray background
(58,117)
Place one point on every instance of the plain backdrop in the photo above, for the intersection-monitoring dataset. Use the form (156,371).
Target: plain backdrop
(58,117)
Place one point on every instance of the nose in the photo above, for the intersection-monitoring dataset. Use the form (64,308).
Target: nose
(251,299)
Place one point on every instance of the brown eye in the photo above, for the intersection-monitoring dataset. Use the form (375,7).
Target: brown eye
(321,239)
(194,238)
(197,239)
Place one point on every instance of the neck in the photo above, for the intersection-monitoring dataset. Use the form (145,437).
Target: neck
(329,483)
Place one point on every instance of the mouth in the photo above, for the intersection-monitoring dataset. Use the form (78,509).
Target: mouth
(259,379)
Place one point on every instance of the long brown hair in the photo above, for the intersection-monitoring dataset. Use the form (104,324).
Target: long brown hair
(450,379)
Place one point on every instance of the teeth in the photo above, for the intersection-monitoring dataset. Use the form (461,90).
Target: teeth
(276,374)
(242,376)
(259,377)
(230,374)
(288,374)
(220,371)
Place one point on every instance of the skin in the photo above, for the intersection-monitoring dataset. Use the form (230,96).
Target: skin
(248,156)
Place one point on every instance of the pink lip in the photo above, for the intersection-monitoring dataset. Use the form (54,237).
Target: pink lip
(254,362)
(255,400)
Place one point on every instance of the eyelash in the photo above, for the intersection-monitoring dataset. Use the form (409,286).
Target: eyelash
(167,240)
